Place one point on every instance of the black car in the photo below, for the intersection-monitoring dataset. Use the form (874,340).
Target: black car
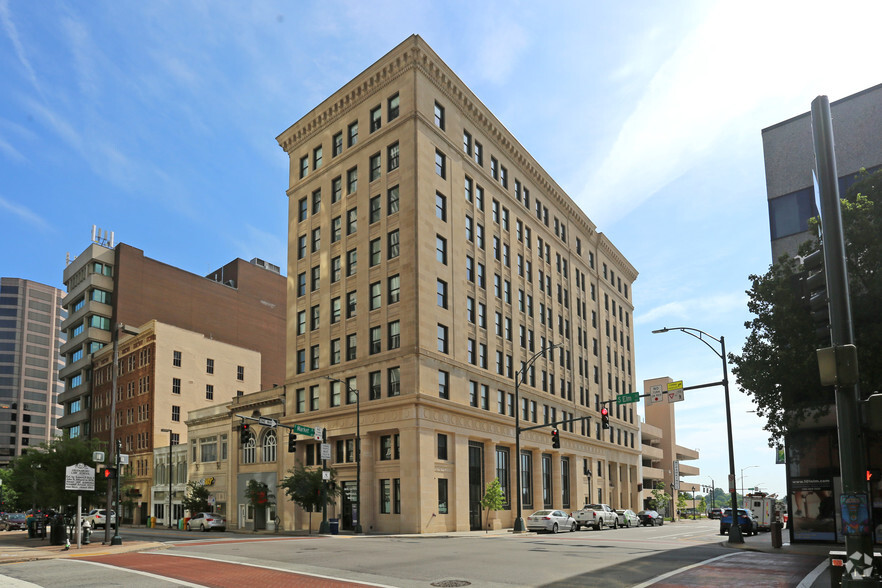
(650,518)
(714,513)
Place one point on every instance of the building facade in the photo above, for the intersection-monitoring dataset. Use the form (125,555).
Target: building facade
(241,303)
(164,373)
(812,450)
(660,449)
(31,338)
(430,259)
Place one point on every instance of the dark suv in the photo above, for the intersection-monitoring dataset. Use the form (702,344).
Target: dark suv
(714,513)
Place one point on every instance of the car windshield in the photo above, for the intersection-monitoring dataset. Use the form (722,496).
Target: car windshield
(593,506)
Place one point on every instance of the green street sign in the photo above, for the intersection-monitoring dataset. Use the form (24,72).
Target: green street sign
(626,398)
(301,430)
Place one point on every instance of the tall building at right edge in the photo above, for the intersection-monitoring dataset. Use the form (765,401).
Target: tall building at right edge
(812,450)
(430,259)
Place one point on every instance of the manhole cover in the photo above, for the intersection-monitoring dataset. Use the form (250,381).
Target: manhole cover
(451,583)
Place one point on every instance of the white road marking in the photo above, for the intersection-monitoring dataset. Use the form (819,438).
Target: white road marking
(16,583)
(287,571)
(168,579)
(683,569)
(813,575)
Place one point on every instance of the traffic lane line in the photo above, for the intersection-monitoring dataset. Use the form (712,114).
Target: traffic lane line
(739,569)
(211,573)
(222,541)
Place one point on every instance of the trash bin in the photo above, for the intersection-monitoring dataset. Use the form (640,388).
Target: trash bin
(57,531)
(776,534)
(335,526)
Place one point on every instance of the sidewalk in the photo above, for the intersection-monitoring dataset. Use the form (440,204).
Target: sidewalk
(16,547)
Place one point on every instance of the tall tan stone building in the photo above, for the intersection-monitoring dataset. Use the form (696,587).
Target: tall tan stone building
(430,257)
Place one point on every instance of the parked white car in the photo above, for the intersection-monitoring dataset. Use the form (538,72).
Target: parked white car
(206,521)
(97,517)
(551,521)
(628,518)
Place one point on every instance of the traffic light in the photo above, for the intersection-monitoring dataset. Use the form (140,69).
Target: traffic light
(555,438)
(604,417)
(244,433)
(814,294)
(110,473)
(292,443)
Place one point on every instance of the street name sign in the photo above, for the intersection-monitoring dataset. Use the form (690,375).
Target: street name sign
(301,430)
(80,478)
(267,422)
(626,398)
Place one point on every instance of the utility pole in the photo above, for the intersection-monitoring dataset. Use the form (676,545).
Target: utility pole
(854,500)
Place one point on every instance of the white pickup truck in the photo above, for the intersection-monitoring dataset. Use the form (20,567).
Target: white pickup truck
(597,516)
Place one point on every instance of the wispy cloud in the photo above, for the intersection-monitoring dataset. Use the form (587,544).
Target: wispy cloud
(266,245)
(25,214)
(721,304)
(12,33)
(501,49)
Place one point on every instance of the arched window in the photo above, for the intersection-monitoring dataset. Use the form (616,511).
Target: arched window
(269,446)
(249,451)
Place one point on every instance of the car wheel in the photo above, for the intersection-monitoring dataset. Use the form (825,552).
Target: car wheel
(578,527)
(573,528)
(615,524)
(598,526)
(554,528)
(202,528)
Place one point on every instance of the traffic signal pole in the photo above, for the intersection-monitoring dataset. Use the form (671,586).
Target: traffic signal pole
(854,502)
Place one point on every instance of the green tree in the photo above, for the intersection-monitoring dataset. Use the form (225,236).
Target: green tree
(38,475)
(196,498)
(660,499)
(494,498)
(702,505)
(304,486)
(681,501)
(778,365)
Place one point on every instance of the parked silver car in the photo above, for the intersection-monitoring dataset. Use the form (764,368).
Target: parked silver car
(551,521)
(97,517)
(206,521)
(628,518)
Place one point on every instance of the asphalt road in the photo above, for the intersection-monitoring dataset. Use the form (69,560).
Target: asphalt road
(664,556)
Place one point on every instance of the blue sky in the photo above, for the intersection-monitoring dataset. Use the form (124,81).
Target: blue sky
(157,120)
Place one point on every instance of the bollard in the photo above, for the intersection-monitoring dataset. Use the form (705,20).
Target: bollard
(776,534)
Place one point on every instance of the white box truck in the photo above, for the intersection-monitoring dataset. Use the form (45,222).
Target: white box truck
(762,506)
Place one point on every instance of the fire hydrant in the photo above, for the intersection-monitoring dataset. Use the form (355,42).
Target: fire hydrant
(87,533)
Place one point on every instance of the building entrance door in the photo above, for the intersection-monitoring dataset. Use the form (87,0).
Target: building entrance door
(346,505)
(476,483)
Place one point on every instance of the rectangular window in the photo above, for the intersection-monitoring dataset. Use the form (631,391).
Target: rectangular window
(176,414)
(374,209)
(304,166)
(441,249)
(352,134)
(376,344)
(316,239)
(336,229)
(443,384)
(335,310)
(375,391)
(375,167)
(351,181)
(351,303)
(334,392)
(392,109)
(240,373)
(442,293)
(442,446)
(337,142)
(392,153)
(351,221)
(526,480)
(209,392)
(375,252)
(479,154)
(503,473)
(440,164)
(466,142)
(442,338)
(392,200)
(385,497)
(317,157)
(336,189)
(376,118)
(176,359)
(376,296)
(392,250)
(441,206)
(394,335)
(351,346)
(335,351)
(176,385)
(442,496)
(209,366)
(394,288)
(439,116)
(351,262)
(394,383)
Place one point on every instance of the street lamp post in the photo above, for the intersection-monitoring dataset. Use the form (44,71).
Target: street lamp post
(693,503)
(735,535)
(742,478)
(357,526)
(713,492)
(519,377)
(169,431)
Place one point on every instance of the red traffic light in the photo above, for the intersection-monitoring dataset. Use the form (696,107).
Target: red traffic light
(604,411)
(110,473)
(555,438)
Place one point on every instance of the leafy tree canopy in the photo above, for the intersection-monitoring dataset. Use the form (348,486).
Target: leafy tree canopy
(303,486)
(38,475)
(196,498)
(778,365)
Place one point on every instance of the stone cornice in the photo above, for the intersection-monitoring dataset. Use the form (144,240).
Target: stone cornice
(616,256)
(415,53)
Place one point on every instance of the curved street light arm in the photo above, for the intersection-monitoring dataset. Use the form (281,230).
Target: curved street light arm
(692,332)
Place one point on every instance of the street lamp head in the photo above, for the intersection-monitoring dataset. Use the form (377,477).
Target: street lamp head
(657,331)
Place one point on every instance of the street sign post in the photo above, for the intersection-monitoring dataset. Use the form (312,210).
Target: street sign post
(627,398)
(326,450)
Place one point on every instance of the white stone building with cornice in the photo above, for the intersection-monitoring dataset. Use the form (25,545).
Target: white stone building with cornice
(430,257)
